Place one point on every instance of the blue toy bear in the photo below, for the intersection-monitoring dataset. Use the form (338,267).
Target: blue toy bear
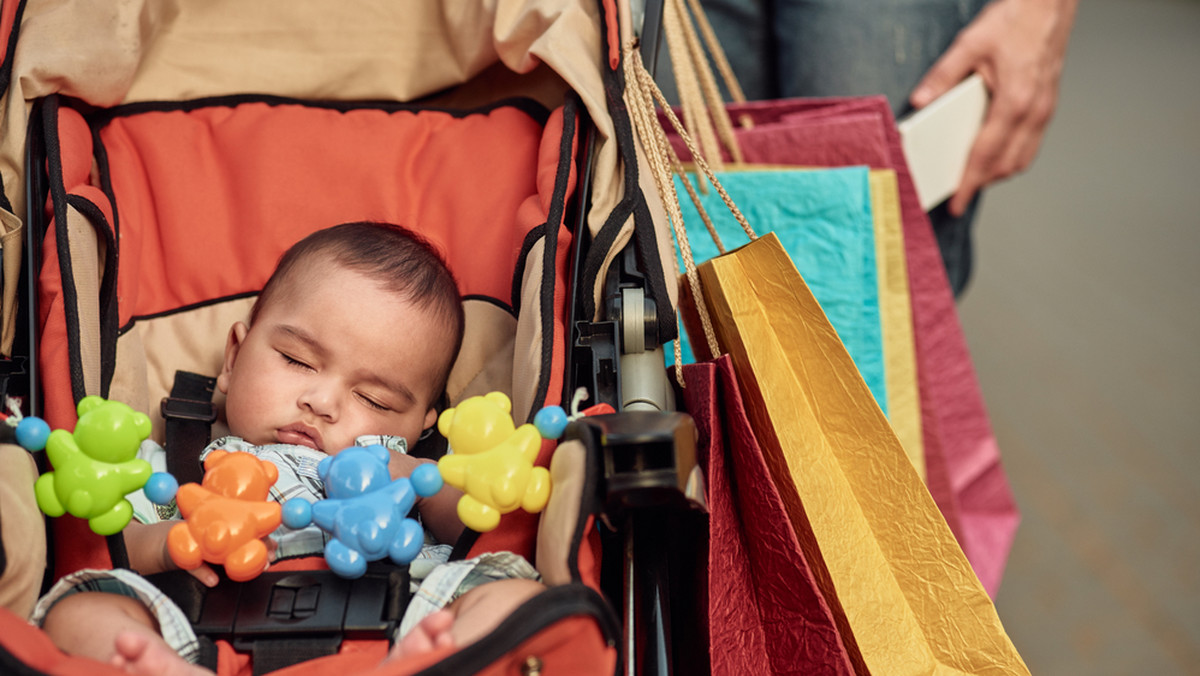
(365,511)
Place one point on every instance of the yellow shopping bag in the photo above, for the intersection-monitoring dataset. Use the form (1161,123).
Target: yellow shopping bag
(905,597)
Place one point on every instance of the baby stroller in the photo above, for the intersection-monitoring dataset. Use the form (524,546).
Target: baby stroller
(233,129)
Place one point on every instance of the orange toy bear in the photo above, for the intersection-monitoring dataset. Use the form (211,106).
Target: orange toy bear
(227,517)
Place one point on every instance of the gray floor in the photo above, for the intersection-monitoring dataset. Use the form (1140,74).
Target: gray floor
(1084,323)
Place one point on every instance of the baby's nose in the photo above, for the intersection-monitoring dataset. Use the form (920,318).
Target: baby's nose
(322,400)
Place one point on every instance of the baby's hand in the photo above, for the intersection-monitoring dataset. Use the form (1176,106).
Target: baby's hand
(148,551)
(208,577)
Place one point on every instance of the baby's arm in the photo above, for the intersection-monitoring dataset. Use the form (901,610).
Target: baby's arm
(439,513)
(146,544)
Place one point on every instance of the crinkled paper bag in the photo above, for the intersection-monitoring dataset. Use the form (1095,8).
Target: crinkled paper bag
(901,588)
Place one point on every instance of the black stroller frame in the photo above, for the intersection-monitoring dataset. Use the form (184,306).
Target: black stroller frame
(651,486)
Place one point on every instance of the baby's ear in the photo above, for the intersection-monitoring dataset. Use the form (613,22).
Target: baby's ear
(499,399)
(446,421)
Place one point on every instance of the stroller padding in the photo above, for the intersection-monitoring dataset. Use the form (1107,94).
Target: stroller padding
(239,180)
(188,205)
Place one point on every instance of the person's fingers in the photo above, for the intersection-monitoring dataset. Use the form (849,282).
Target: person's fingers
(959,61)
(987,150)
(1016,117)
(961,199)
(1027,138)
(1009,141)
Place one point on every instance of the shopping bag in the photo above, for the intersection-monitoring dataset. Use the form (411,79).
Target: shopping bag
(903,594)
(962,459)
(843,230)
(895,317)
(766,611)
(825,218)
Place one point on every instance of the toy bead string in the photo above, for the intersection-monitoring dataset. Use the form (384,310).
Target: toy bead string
(30,432)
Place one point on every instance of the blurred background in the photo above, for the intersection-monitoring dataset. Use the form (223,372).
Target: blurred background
(1084,323)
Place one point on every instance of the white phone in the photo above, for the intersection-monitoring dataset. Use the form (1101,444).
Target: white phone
(937,139)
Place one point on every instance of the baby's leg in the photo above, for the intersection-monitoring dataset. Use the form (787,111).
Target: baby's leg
(469,618)
(432,633)
(116,629)
(477,612)
(87,623)
(149,655)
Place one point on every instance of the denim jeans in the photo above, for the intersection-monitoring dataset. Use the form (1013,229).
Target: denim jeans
(803,48)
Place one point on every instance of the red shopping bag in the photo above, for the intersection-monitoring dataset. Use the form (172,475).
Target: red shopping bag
(963,469)
(766,613)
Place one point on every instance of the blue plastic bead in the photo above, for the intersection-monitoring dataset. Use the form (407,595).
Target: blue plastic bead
(550,422)
(161,488)
(32,433)
(426,480)
(297,513)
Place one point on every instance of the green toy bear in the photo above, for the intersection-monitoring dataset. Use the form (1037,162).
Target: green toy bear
(96,466)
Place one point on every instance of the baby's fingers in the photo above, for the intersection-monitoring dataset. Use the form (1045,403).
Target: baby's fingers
(206,575)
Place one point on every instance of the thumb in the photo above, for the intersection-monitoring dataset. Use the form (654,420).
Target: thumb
(953,67)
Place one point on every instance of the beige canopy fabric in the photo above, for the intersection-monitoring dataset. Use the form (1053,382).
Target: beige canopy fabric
(445,52)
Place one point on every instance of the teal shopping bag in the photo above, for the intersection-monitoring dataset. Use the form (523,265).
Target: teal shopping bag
(823,218)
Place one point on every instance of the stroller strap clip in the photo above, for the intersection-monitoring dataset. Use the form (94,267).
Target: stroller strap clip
(304,603)
(188,409)
(285,618)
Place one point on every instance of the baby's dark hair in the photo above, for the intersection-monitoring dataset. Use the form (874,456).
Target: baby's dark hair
(402,260)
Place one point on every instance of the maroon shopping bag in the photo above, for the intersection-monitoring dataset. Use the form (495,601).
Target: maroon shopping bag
(963,469)
(766,613)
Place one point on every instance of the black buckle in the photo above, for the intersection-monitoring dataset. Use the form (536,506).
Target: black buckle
(188,409)
(306,603)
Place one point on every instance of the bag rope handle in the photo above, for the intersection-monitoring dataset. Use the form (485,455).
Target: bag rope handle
(693,90)
(643,94)
(719,57)
(704,110)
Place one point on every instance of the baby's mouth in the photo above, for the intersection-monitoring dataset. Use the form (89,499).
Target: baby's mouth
(300,435)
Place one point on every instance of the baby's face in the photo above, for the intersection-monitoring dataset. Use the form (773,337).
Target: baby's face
(330,358)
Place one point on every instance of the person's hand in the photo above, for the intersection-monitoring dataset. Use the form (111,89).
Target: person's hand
(1017,46)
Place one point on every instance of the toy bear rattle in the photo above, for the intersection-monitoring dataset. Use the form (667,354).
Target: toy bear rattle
(95,466)
(491,460)
(225,516)
(365,510)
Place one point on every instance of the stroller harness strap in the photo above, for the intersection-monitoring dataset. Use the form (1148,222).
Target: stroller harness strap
(189,414)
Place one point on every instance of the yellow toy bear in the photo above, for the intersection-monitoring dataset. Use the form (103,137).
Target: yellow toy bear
(491,461)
